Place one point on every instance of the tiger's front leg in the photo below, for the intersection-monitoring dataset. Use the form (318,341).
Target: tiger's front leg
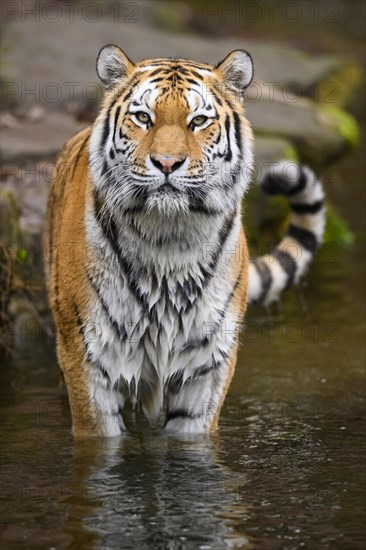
(194,404)
(96,407)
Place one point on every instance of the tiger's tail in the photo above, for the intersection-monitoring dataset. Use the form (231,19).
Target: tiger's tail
(271,274)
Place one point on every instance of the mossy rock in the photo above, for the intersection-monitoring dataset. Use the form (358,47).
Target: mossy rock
(344,123)
(339,87)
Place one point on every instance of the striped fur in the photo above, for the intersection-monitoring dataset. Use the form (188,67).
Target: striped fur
(148,270)
(273,273)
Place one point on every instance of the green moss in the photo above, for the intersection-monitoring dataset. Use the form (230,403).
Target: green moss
(274,213)
(344,123)
(22,255)
(341,86)
(336,229)
(169,17)
(290,153)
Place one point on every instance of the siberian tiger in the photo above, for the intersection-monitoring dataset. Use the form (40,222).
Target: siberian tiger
(149,274)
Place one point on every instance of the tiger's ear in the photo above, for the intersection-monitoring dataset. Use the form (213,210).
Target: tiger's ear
(113,65)
(237,70)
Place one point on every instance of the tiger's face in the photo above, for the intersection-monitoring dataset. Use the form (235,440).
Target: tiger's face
(172,136)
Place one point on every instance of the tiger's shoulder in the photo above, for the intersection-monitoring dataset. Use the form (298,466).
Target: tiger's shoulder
(73,157)
(66,198)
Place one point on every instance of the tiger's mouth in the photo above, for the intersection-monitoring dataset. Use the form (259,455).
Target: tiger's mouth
(167,188)
(167,200)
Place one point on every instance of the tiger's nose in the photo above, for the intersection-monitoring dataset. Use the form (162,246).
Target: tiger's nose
(167,164)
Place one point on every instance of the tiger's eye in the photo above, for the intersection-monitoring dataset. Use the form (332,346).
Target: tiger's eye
(198,121)
(143,117)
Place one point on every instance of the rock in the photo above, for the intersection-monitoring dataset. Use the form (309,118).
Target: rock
(269,150)
(37,140)
(60,71)
(23,300)
(314,131)
(63,75)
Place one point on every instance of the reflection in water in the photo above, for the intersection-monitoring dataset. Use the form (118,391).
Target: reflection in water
(153,492)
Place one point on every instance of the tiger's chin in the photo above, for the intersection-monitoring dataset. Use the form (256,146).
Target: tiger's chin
(168,202)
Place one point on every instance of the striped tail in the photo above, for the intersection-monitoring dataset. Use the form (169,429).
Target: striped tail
(273,273)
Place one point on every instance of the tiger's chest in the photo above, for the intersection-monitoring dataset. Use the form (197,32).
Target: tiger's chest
(155,311)
(148,328)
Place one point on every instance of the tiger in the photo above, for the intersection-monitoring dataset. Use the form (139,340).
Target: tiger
(149,274)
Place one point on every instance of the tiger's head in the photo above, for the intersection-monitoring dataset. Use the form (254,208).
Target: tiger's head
(172,136)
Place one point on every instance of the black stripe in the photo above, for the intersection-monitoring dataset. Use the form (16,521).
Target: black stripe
(223,236)
(196,202)
(301,184)
(179,413)
(217,99)
(167,63)
(307,208)
(181,70)
(162,63)
(87,352)
(266,277)
(306,238)
(218,136)
(116,115)
(156,72)
(158,79)
(128,95)
(232,293)
(132,275)
(229,154)
(287,263)
(191,81)
(106,127)
(176,381)
(76,161)
(195,343)
(130,86)
(175,77)
(120,330)
(198,208)
(133,209)
(277,184)
(110,232)
(237,127)
(195,74)
(205,369)
(79,320)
